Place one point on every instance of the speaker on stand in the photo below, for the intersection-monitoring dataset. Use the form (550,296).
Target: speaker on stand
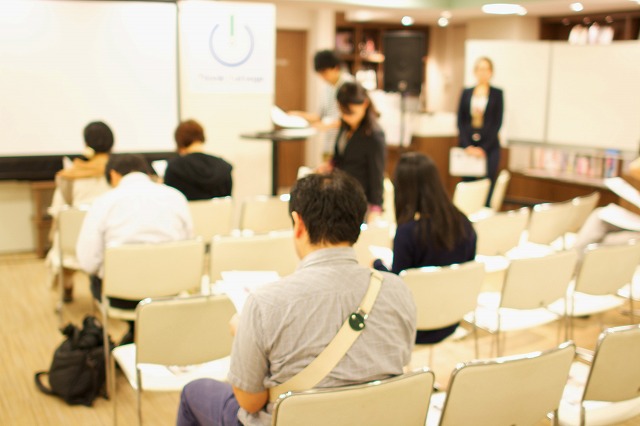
(403,66)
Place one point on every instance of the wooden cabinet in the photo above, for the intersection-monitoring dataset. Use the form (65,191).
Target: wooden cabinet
(625,25)
(360,44)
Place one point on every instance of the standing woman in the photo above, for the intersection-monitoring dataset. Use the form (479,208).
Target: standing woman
(431,230)
(360,148)
(480,118)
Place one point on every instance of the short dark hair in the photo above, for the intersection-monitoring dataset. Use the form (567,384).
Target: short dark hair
(332,207)
(188,132)
(420,195)
(98,136)
(326,59)
(125,164)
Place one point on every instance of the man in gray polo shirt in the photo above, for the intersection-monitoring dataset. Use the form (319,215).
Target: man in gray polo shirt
(285,325)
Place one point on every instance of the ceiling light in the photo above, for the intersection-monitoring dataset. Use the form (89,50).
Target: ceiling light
(504,9)
(576,7)
(443,22)
(407,21)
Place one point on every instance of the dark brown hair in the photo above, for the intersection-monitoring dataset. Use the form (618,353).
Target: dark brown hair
(354,93)
(188,132)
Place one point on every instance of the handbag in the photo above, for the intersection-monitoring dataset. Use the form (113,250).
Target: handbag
(463,164)
(77,372)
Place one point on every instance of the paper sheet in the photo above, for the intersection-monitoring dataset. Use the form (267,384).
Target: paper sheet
(620,217)
(237,285)
(624,190)
(282,119)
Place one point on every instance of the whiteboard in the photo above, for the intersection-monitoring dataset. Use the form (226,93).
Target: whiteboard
(66,63)
(595,95)
(521,70)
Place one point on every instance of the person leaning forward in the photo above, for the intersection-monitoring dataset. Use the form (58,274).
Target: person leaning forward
(284,326)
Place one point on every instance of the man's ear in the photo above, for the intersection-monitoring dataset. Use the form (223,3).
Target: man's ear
(298,225)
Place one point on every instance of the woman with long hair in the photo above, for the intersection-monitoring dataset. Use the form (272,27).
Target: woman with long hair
(431,230)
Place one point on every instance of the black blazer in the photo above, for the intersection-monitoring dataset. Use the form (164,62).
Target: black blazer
(489,132)
(364,159)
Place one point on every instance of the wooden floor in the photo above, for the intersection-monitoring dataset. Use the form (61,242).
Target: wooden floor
(29,335)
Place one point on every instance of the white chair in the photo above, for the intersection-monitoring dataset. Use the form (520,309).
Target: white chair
(444,295)
(607,393)
(518,390)
(500,190)
(265,213)
(548,222)
(377,234)
(211,217)
(604,271)
(530,286)
(501,232)
(274,251)
(401,400)
(580,211)
(177,340)
(140,271)
(68,224)
(471,197)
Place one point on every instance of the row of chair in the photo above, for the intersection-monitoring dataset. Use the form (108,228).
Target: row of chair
(180,339)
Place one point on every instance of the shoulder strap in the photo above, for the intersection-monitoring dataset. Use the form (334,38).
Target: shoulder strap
(313,373)
(41,385)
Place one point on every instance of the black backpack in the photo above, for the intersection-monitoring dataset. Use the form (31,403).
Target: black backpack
(77,372)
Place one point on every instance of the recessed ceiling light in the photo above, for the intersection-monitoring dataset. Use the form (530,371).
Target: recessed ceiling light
(504,9)
(407,21)
(576,7)
(443,22)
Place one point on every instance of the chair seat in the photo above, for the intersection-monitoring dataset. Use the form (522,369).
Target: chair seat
(486,315)
(626,290)
(598,413)
(528,250)
(587,304)
(161,378)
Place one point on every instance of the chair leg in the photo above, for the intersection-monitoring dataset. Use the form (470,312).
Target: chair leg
(114,395)
(107,353)
(475,339)
(139,382)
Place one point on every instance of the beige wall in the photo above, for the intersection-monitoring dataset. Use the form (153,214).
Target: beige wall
(16,210)
(504,28)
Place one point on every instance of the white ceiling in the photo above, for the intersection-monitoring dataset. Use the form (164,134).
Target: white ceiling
(386,12)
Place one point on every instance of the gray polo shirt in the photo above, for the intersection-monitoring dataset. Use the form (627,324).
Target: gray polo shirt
(285,325)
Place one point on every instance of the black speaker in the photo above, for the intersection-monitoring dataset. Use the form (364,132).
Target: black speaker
(403,66)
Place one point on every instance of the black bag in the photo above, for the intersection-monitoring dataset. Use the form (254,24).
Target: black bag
(77,372)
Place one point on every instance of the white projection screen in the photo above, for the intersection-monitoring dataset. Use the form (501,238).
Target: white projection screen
(65,63)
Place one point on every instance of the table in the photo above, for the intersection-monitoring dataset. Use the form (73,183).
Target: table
(276,136)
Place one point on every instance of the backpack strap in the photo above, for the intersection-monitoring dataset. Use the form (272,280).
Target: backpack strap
(41,385)
(322,365)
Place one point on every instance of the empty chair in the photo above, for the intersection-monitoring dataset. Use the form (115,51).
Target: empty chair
(68,223)
(211,217)
(138,271)
(581,209)
(606,393)
(274,251)
(548,222)
(500,190)
(501,232)
(401,400)
(265,213)
(176,341)
(372,234)
(470,197)
(518,390)
(604,271)
(530,286)
(443,295)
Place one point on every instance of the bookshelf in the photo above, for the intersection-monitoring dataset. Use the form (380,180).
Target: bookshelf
(360,44)
(625,25)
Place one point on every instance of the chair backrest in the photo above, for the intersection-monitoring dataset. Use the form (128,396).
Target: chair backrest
(401,400)
(581,209)
(139,271)
(211,217)
(86,190)
(537,282)
(443,295)
(499,190)
(265,213)
(615,371)
(470,197)
(183,330)
(499,233)
(517,390)
(605,269)
(274,251)
(69,223)
(373,234)
(549,221)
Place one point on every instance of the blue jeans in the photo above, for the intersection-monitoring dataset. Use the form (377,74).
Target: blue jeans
(208,402)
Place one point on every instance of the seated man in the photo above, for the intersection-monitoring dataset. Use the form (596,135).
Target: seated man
(284,326)
(135,210)
(199,176)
